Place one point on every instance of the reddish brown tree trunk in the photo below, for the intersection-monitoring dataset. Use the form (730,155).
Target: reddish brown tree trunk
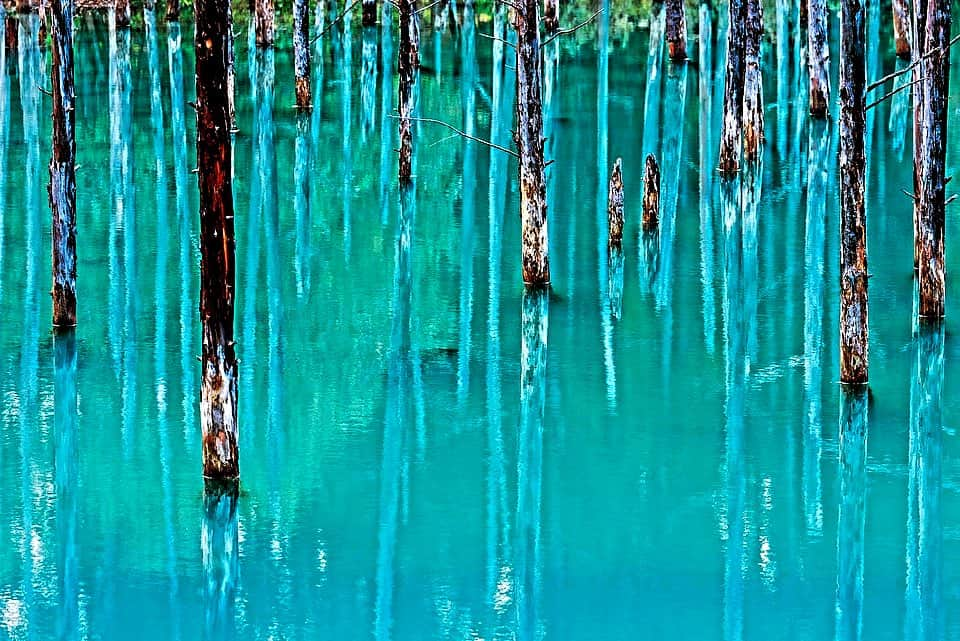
(122,10)
(730,135)
(218,396)
(173,10)
(753,84)
(551,16)
(615,207)
(901,27)
(676,29)
(10,32)
(651,193)
(818,58)
(264,20)
(408,61)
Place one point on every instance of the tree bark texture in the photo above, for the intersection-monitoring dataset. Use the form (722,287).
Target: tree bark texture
(551,16)
(11,29)
(63,181)
(231,71)
(122,10)
(676,29)
(301,53)
(854,334)
(369,18)
(818,57)
(173,10)
(920,152)
(408,61)
(529,140)
(651,193)
(932,194)
(218,396)
(265,22)
(901,27)
(730,135)
(615,207)
(752,82)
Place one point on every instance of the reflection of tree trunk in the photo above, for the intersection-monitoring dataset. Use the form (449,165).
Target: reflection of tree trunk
(651,98)
(850,523)
(4,139)
(346,109)
(301,204)
(899,110)
(468,80)
(368,81)
(706,77)
(219,547)
(750,187)
(301,53)
(65,432)
(386,106)
(733,88)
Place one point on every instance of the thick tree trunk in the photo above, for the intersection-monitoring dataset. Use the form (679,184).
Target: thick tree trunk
(651,193)
(551,16)
(818,58)
(854,333)
(173,10)
(932,194)
(408,62)
(369,18)
(676,29)
(264,21)
(529,140)
(63,180)
(301,53)
(901,27)
(615,207)
(218,396)
(730,135)
(752,84)
(122,9)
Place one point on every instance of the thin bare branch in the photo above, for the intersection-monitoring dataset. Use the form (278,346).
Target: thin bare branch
(461,133)
(890,94)
(900,72)
(493,37)
(566,32)
(335,21)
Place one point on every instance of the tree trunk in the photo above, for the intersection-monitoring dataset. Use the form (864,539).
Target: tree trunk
(173,10)
(901,27)
(301,53)
(408,61)
(369,18)
(11,29)
(218,396)
(264,21)
(752,84)
(63,182)
(529,140)
(122,10)
(920,153)
(932,194)
(651,193)
(676,29)
(733,90)
(818,58)
(551,16)
(231,70)
(854,333)
(615,207)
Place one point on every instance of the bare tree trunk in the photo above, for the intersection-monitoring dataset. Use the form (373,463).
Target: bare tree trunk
(901,27)
(63,180)
(615,207)
(551,16)
(408,61)
(529,140)
(730,135)
(651,193)
(173,10)
(752,84)
(122,9)
(920,153)
(818,58)
(265,22)
(11,29)
(369,18)
(854,334)
(932,194)
(676,29)
(231,70)
(218,396)
(301,53)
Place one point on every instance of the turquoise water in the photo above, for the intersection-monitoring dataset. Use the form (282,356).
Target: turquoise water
(426,452)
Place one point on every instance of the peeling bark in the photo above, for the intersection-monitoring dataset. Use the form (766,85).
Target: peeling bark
(651,193)
(901,27)
(920,152)
(854,334)
(408,62)
(301,53)
(818,58)
(264,22)
(676,29)
(218,397)
(615,208)
(730,135)
(752,84)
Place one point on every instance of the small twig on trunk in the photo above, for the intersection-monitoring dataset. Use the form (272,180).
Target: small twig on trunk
(900,72)
(335,21)
(464,134)
(493,37)
(950,200)
(565,32)
(890,94)
(908,194)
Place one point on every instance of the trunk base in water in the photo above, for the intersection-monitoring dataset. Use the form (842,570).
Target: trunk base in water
(651,194)
(615,207)
(304,97)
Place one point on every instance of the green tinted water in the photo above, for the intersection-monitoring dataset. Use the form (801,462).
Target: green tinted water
(668,464)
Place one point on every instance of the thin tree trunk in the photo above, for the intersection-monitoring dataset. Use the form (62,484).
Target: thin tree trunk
(551,16)
(615,207)
(676,29)
(529,140)
(63,182)
(854,333)
(173,10)
(408,61)
(932,194)
(369,18)
(730,135)
(231,70)
(301,53)
(919,142)
(901,27)
(218,396)
(122,9)
(264,21)
(818,58)
(752,84)
(11,29)
(651,193)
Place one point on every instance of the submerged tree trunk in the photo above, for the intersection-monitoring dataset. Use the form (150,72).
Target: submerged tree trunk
(615,207)
(529,140)
(853,225)
(218,396)
(408,61)
(265,22)
(901,27)
(301,53)
(173,10)
(369,18)
(932,194)
(551,16)
(651,193)
(818,58)
(63,181)
(752,84)
(676,29)
(733,89)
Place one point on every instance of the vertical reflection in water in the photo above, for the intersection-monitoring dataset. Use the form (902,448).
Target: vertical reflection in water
(818,154)
(649,259)
(67,475)
(301,187)
(899,109)
(251,286)
(783,73)
(850,524)
(874,70)
(924,608)
(368,81)
(346,108)
(387,124)
(468,95)
(4,133)
(734,462)
(551,113)
(219,548)
(752,182)
(533,368)
(706,176)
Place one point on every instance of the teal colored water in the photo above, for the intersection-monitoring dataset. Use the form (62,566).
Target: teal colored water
(659,449)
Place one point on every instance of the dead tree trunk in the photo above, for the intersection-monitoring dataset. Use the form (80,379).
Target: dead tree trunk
(615,207)
(551,16)
(408,61)
(920,152)
(231,71)
(218,396)
(853,225)
(264,20)
(63,180)
(901,27)
(173,10)
(932,194)
(676,29)
(651,194)
(752,82)
(301,53)
(369,18)
(122,10)
(11,28)
(529,140)
(818,57)
(730,135)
